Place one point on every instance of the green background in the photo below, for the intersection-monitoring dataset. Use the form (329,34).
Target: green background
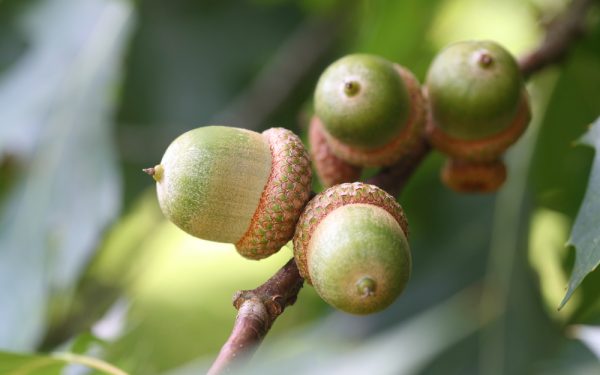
(92,91)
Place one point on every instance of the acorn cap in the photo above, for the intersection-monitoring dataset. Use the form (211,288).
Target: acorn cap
(473,177)
(283,198)
(237,186)
(474,89)
(330,169)
(485,149)
(351,245)
(406,139)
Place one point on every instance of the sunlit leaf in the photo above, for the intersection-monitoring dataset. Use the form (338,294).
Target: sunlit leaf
(55,104)
(585,236)
(547,252)
(181,299)
(509,22)
(23,364)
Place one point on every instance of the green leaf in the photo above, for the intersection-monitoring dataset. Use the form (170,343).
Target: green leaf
(560,172)
(20,364)
(55,103)
(23,364)
(547,253)
(85,342)
(585,236)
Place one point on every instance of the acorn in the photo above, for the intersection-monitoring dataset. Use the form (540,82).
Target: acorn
(351,244)
(372,110)
(478,108)
(236,186)
(330,169)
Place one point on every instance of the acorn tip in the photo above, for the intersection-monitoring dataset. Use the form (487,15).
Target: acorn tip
(351,88)
(484,59)
(366,287)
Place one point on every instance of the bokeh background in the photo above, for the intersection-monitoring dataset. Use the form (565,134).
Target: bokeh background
(92,91)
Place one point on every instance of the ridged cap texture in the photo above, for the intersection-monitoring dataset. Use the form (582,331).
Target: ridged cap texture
(285,195)
(330,169)
(327,201)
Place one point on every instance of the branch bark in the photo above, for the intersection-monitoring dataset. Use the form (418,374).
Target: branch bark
(393,179)
(560,35)
(258,308)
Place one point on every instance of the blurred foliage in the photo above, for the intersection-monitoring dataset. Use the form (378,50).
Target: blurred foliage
(16,364)
(54,108)
(92,91)
(29,364)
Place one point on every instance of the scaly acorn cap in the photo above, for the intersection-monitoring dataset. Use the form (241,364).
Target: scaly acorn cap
(372,110)
(330,169)
(485,149)
(236,186)
(473,177)
(351,244)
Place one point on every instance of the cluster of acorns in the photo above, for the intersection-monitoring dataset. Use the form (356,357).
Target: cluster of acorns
(350,241)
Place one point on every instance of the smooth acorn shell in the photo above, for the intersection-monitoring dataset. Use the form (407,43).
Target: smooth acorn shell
(362,101)
(401,145)
(351,245)
(212,179)
(236,186)
(474,89)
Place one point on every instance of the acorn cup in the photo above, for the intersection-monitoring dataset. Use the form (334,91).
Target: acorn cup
(478,108)
(236,186)
(372,110)
(330,169)
(351,244)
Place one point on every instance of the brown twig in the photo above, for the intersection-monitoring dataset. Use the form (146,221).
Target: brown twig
(258,308)
(560,35)
(394,178)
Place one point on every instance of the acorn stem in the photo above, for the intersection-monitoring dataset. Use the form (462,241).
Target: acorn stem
(156,172)
(366,286)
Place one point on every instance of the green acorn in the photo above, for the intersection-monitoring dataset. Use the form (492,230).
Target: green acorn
(234,185)
(372,110)
(351,244)
(478,108)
